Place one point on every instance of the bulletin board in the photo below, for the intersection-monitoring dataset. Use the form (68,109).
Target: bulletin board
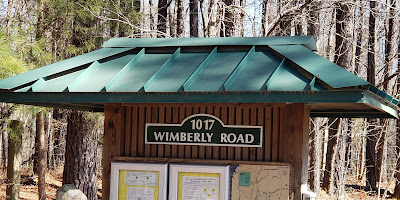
(193,182)
(138,181)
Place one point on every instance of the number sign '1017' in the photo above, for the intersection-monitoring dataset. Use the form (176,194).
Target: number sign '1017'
(198,124)
(204,129)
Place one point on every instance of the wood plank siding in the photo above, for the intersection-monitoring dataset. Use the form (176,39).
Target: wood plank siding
(285,133)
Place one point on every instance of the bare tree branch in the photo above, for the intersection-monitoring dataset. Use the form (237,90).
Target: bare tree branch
(287,12)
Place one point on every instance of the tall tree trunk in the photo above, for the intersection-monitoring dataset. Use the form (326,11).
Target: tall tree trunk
(14,159)
(194,18)
(146,21)
(316,137)
(213,24)
(238,18)
(80,156)
(264,18)
(370,156)
(60,129)
(358,36)
(313,24)
(342,46)
(341,58)
(371,132)
(233,18)
(180,21)
(162,16)
(397,174)
(5,150)
(340,159)
(154,17)
(5,112)
(42,157)
(327,181)
(381,145)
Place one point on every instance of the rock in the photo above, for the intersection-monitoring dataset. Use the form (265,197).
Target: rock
(70,192)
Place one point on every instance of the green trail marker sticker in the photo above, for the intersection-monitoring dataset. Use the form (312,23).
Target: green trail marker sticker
(244,179)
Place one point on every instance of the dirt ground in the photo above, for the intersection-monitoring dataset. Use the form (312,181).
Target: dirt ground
(28,189)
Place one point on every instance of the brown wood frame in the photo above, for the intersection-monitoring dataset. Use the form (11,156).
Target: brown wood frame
(285,126)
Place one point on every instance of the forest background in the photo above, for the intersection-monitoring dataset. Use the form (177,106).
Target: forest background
(362,36)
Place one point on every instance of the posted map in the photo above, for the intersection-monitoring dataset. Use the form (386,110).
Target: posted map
(256,182)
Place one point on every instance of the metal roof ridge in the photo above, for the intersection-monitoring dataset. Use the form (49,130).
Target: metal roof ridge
(307,41)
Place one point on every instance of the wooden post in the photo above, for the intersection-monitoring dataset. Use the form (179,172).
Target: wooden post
(293,144)
(14,159)
(112,141)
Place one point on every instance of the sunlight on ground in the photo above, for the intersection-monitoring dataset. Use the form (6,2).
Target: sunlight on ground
(29,189)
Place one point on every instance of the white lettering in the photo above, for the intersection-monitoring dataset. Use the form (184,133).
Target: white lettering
(159,135)
(183,136)
(189,137)
(240,139)
(196,137)
(203,139)
(173,137)
(209,136)
(249,138)
(223,138)
(231,138)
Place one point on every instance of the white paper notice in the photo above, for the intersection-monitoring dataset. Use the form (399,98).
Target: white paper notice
(200,188)
(140,193)
(141,178)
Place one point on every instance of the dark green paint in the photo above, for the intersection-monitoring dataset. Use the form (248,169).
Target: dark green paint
(143,71)
(58,67)
(204,129)
(318,66)
(307,41)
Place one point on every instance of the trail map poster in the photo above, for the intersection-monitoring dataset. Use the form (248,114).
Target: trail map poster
(255,182)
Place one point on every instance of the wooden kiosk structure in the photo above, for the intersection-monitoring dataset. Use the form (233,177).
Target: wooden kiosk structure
(275,83)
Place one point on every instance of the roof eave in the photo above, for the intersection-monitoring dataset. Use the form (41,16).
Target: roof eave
(95,101)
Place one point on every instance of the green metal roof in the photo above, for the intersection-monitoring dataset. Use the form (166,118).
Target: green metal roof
(201,70)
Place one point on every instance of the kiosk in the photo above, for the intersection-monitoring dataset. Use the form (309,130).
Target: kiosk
(236,108)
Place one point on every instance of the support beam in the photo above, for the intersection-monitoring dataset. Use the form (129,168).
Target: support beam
(113,141)
(293,147)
